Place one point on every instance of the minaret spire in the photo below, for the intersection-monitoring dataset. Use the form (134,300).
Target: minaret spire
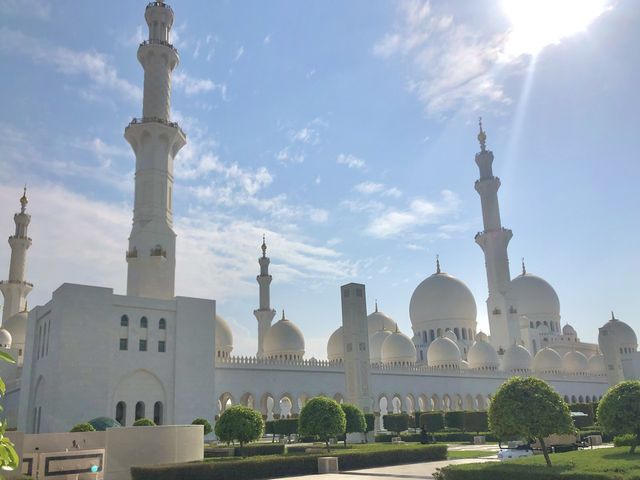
(155,140)
(482,136)
(264,313)
(16,288)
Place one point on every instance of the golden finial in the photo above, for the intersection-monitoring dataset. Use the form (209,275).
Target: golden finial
(24,200)
(376,305)
(438,264)
(264,246)
(524,269)
(613,317)
(283,314)
(482,136)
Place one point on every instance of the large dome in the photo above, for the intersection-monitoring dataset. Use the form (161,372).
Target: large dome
(16,325)
(335,346)
(375,345)
(547,360)
(443,353)
(516,359)
(597,364)
(622,333)
(575,363)
(442,297)
(533,296)
(398,349)
(284,340)
(378,321)
(224,337)
(482,356)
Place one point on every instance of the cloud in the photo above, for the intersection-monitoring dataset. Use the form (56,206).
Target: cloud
(299,139)
(369,188)
(40,9)
(239,53)
(194,86)
(351,161)
(94,65)
(285,155)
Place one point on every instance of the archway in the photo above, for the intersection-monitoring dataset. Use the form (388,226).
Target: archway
(446,402)
(396,403)
(470,403)
(144,388)
(247,400)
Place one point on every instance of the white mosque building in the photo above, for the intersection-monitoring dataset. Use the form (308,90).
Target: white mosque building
(89,352)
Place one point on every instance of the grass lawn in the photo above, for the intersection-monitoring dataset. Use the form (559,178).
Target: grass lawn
(598,464)
(458,454)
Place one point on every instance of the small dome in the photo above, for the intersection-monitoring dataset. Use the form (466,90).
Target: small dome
(597,365)
(516,359)
(547,360)
(569,331)
(378,321)
(335,346)
(224,337)
(16,325)
(284,339)
(575,363)
(482,356)
(444,353)
(375,345)
(534,296)
(5,339)
(398,349)
(451,335)
(622,333)
(482,336)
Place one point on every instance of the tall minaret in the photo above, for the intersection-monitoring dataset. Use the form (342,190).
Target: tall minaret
(494,241)
(265,313)
(155,141)
(16,289)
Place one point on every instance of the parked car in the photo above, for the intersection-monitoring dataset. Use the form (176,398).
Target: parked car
(517,452)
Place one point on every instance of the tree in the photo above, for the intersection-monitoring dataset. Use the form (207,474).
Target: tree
(144,422)
(476,422)
(370,420)
(322,417)
(83,427)
(8,457)
(396,422)
(205,423)
(530,408)
(239,423)
(619,410)
(432,421)
(355,419)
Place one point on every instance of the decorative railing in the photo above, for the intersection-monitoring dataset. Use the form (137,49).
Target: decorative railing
(132,253)
(159,4)
(16,282)
(162,121)
(164,43)
(158,252)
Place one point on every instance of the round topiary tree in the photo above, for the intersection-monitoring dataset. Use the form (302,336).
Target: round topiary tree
(355,420)
(239,423)
(322,417)
(144,422)
(530,408)
(205,423)
(619,410)
(83,427)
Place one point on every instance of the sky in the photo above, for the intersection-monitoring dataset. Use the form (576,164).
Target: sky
(346,133)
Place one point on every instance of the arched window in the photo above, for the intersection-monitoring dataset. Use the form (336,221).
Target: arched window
(144,323)
(124,321)
(432,335)
(139,410)
(439,332)
(424,336)
(157,413)
(121,413)
(457,332)
(464,333)
(162,324)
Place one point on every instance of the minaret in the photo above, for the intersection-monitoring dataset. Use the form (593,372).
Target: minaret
(155,141)
(16,289)
(265,313)
(494,240)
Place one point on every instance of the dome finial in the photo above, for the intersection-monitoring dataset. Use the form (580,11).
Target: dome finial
(613,317)
(283,315)
(264,246)
(438,264)
(482,136)
(24,200)
(524,269)
(376,305)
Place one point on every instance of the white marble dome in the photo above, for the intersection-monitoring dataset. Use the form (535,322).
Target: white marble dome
(547,360)
(379,320)
(597,364)
(444,353)
(516,359)
(375,345)
(284,340)
(398,349)
(451,335)
(442,297)
(575,363)
(622,332)
(569,331)
(224,337)
(482,356)
(533,296)
(335,346)
(16,325)
(482,336)
(5,339)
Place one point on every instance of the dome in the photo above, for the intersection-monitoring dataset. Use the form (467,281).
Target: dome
(398,349)
(547,360)
(379,320)
(597,365)
(534,296)
(482,336)
(5,339)
(444,352)
(451,335)
(575,363)
(16,325)
(622,333)
(482,356)
(516,359)
(224,337)
(569,331)
(375,345)
(335,346)
(442,297)
(284,339)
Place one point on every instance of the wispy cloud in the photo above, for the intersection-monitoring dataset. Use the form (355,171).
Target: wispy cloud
(369,188)
(239,53)
(194,86)
(40,9)
(351,161)
(299,141)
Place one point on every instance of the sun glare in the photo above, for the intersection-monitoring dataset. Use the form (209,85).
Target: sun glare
(538,23)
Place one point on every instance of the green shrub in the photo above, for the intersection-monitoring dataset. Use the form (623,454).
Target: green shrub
(455,419)
(355,419)
(269,427)
(383,438)
(476,422)
(626,440)
(432,421)
(83,427)
(619,410)
(285,426)
(239,423)
(396,422)
(144,422)
(322,417)
(370,420)
(254,449)
(582,422)
(205,423)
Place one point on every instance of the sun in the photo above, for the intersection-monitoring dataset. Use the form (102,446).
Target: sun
(538,23)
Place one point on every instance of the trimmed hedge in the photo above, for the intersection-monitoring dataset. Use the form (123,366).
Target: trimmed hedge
(512,471)
(253,449)
(370,420)
(396,422)
(432,421)
(443,437)
(455,419)
(284,466)
(285,426)
(476,422)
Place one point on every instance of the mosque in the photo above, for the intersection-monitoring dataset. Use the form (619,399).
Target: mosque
(90,352)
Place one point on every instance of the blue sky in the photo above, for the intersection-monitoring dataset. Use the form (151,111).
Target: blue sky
(345,131)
